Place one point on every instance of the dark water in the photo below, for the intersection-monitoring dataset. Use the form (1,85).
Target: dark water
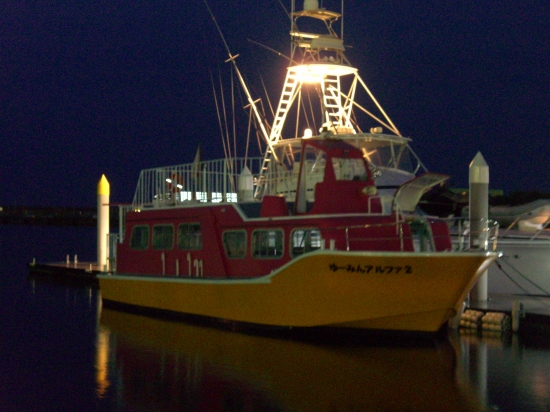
(59,351)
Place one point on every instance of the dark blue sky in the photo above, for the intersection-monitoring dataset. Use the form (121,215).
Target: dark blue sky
(91,87)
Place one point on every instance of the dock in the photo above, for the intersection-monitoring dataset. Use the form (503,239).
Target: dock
(534,315)
(84,273)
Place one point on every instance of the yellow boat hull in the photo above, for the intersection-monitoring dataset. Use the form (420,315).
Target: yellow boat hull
(367,290)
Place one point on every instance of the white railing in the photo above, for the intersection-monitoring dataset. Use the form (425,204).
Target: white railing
(461,235)
(207,181)
(216,181)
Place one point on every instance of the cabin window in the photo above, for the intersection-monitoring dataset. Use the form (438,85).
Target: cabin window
(304,240)
(189,236)
(163,237)
(234,243)
(349,169)
(140,238)
(267,243)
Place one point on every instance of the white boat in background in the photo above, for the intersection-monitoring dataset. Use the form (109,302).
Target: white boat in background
(532,217)
(524,267)
(524,242)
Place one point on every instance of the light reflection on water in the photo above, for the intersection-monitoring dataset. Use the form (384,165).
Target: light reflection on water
(165,365)
(511,373)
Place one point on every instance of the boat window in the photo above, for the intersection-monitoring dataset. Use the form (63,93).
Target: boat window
(234,243)
(349,169)
(304,240)
(140,238)
(267,243)
(189,236)
(163,237)
(393,155)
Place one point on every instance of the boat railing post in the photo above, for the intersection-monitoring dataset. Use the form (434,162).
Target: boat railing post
(112,240)
(347,238)
(495,235)
(460,235)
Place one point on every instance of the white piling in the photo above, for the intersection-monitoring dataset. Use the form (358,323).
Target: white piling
(479,216)
(103,192)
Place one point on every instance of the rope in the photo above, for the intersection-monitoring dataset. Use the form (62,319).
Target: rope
(520,274)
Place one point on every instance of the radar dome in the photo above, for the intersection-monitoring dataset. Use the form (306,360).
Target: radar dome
(311,5)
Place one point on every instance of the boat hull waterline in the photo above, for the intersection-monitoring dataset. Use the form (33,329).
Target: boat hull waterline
(365,290)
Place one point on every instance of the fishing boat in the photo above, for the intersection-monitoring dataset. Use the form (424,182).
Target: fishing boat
(320,231)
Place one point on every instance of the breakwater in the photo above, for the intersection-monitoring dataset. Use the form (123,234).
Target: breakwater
(52,215)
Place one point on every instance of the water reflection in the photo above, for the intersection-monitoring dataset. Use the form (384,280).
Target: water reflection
(102,361)
(163,365)
(508,371)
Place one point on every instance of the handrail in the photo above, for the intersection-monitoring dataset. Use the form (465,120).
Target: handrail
(206,181)
(488,234)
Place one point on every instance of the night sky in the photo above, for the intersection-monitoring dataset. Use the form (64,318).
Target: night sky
(94,87)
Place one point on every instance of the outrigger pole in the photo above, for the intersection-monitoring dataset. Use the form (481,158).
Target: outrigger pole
(241,80)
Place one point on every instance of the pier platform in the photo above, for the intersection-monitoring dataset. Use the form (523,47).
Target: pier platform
(535,317)
(71,272)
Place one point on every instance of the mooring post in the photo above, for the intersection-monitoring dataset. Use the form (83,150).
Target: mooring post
(479,216)
(103,192)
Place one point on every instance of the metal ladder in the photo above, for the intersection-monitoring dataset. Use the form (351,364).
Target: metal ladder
(287,97)
(331,100)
